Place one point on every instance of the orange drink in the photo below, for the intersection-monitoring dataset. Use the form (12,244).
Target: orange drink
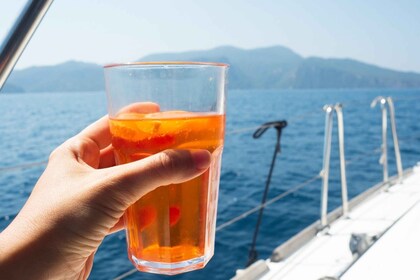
(154,106)
(173,223)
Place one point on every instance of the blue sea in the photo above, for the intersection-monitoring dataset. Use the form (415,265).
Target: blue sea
(33,124)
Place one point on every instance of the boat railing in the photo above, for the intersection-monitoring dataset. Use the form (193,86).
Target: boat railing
(297,241)
(329,112)
(384,148)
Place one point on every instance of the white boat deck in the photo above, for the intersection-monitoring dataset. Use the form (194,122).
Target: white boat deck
(387,226)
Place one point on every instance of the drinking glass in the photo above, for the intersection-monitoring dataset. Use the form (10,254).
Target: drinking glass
(152,107)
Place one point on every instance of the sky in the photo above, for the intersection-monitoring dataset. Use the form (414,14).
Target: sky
(382,32)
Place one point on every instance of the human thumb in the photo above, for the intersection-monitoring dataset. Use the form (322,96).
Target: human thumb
(129,182)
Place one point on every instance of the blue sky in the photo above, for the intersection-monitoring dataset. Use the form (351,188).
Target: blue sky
(385,33)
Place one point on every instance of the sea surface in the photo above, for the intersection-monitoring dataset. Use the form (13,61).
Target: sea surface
(33,124)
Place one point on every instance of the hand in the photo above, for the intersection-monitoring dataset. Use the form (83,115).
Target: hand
(79,199)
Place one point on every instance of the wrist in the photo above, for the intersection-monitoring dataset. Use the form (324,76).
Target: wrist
(26,253)
(8,268)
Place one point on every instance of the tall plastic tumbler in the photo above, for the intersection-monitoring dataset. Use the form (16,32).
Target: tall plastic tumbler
(169,105)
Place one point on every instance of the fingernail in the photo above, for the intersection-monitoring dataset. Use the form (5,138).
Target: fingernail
(201,158)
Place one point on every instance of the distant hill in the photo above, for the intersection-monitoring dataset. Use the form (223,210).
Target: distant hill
(257,68)
(68,76)
(8,87)
(274,67)
(316,72)
(279,67)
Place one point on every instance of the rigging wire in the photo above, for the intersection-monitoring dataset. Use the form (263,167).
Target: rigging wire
(126,274)
(23,166)
(267,203)
(292,119)
(362,155)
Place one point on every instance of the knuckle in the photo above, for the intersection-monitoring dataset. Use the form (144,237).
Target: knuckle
(54,154)
(80,143)
(59,152)
(167,161)
(73,147)
(173,165)
(79,148)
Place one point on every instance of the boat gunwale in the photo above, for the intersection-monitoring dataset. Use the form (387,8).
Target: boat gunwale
(293,244)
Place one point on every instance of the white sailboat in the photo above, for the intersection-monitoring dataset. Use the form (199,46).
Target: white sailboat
(373,236)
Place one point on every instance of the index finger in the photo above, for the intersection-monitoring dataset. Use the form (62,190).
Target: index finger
(140,108)
(98,132)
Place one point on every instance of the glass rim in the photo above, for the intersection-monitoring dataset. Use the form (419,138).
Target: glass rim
(166,63)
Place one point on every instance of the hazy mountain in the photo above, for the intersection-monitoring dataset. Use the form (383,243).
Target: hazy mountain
(68,76)
(263,68)
(280,67)
(256,68)
(8,87)
(347,73)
